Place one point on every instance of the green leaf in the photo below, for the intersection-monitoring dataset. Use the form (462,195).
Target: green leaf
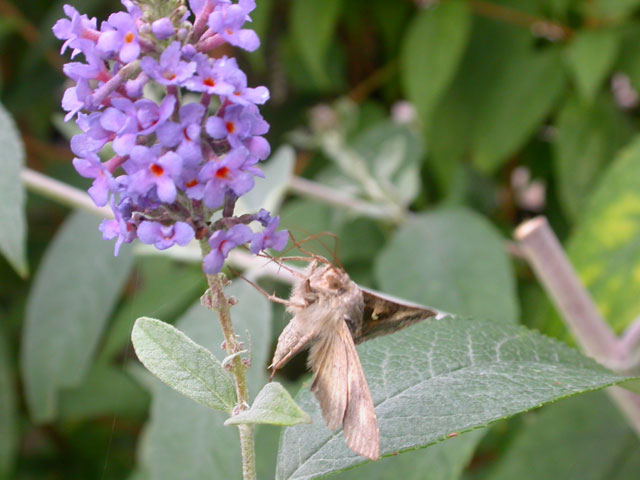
(182,364)
(106,390)
(433,47)
(184,439)
(442,461)
(13,224)
(442,376)
(393,154)
(590,56)
(269,191)
(588,136)
(610,10)
(605,246)
(312,25)
(272,406)
(584,437)
(520,97)
(8,412)
(73,292)
(451,259)
(163,287)
(492,47)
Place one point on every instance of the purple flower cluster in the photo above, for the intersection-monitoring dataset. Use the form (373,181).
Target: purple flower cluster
(182,129)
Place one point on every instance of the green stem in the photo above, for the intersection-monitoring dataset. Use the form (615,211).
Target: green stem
(219,302)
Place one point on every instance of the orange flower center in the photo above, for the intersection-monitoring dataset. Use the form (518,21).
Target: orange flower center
(231,127)
(157,170)
(223,173)
(209,82)
(128,38)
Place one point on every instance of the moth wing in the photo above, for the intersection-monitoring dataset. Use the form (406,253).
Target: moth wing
(383,316)
(298,333)
(328,360)
(342,391)
(360,425)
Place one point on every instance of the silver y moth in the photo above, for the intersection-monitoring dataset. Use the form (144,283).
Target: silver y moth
(331,315)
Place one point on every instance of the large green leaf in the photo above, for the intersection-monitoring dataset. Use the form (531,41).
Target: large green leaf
(433,47)
(605,246)
(74,290)
(443,376)
(590,56)
(442,461)
(583,438)
(520,97)
(453,260)
(588,136)
(186,440)
(8,412)
(312,24)
(13,224)
(181,363)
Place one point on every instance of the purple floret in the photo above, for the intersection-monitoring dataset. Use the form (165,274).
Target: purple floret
(221,243)
(165,236)
(171,69)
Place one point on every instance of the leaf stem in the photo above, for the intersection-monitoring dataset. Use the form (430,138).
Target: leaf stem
(552,267)
(215,299)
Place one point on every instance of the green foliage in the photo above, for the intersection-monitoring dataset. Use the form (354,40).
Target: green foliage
(428,62)
(182,364)
(8,412)
(272,406)
(588,429)
(439,377)
(441,461)
(183,438)
(468,273)
(605,247)
(66,312)
(12,217)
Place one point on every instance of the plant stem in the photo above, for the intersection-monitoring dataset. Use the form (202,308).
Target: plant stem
(219,302)
(552,267)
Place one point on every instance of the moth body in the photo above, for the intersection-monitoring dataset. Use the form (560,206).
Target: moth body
(331,314)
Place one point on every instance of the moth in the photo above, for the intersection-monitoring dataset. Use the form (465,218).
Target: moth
(331,315)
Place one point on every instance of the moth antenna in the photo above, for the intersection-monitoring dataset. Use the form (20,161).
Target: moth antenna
(316,236)
(277,260)
(298,245)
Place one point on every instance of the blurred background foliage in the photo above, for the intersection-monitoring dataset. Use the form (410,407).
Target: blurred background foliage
(429,130)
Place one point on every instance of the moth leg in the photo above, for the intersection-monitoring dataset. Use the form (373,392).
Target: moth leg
(273,297)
